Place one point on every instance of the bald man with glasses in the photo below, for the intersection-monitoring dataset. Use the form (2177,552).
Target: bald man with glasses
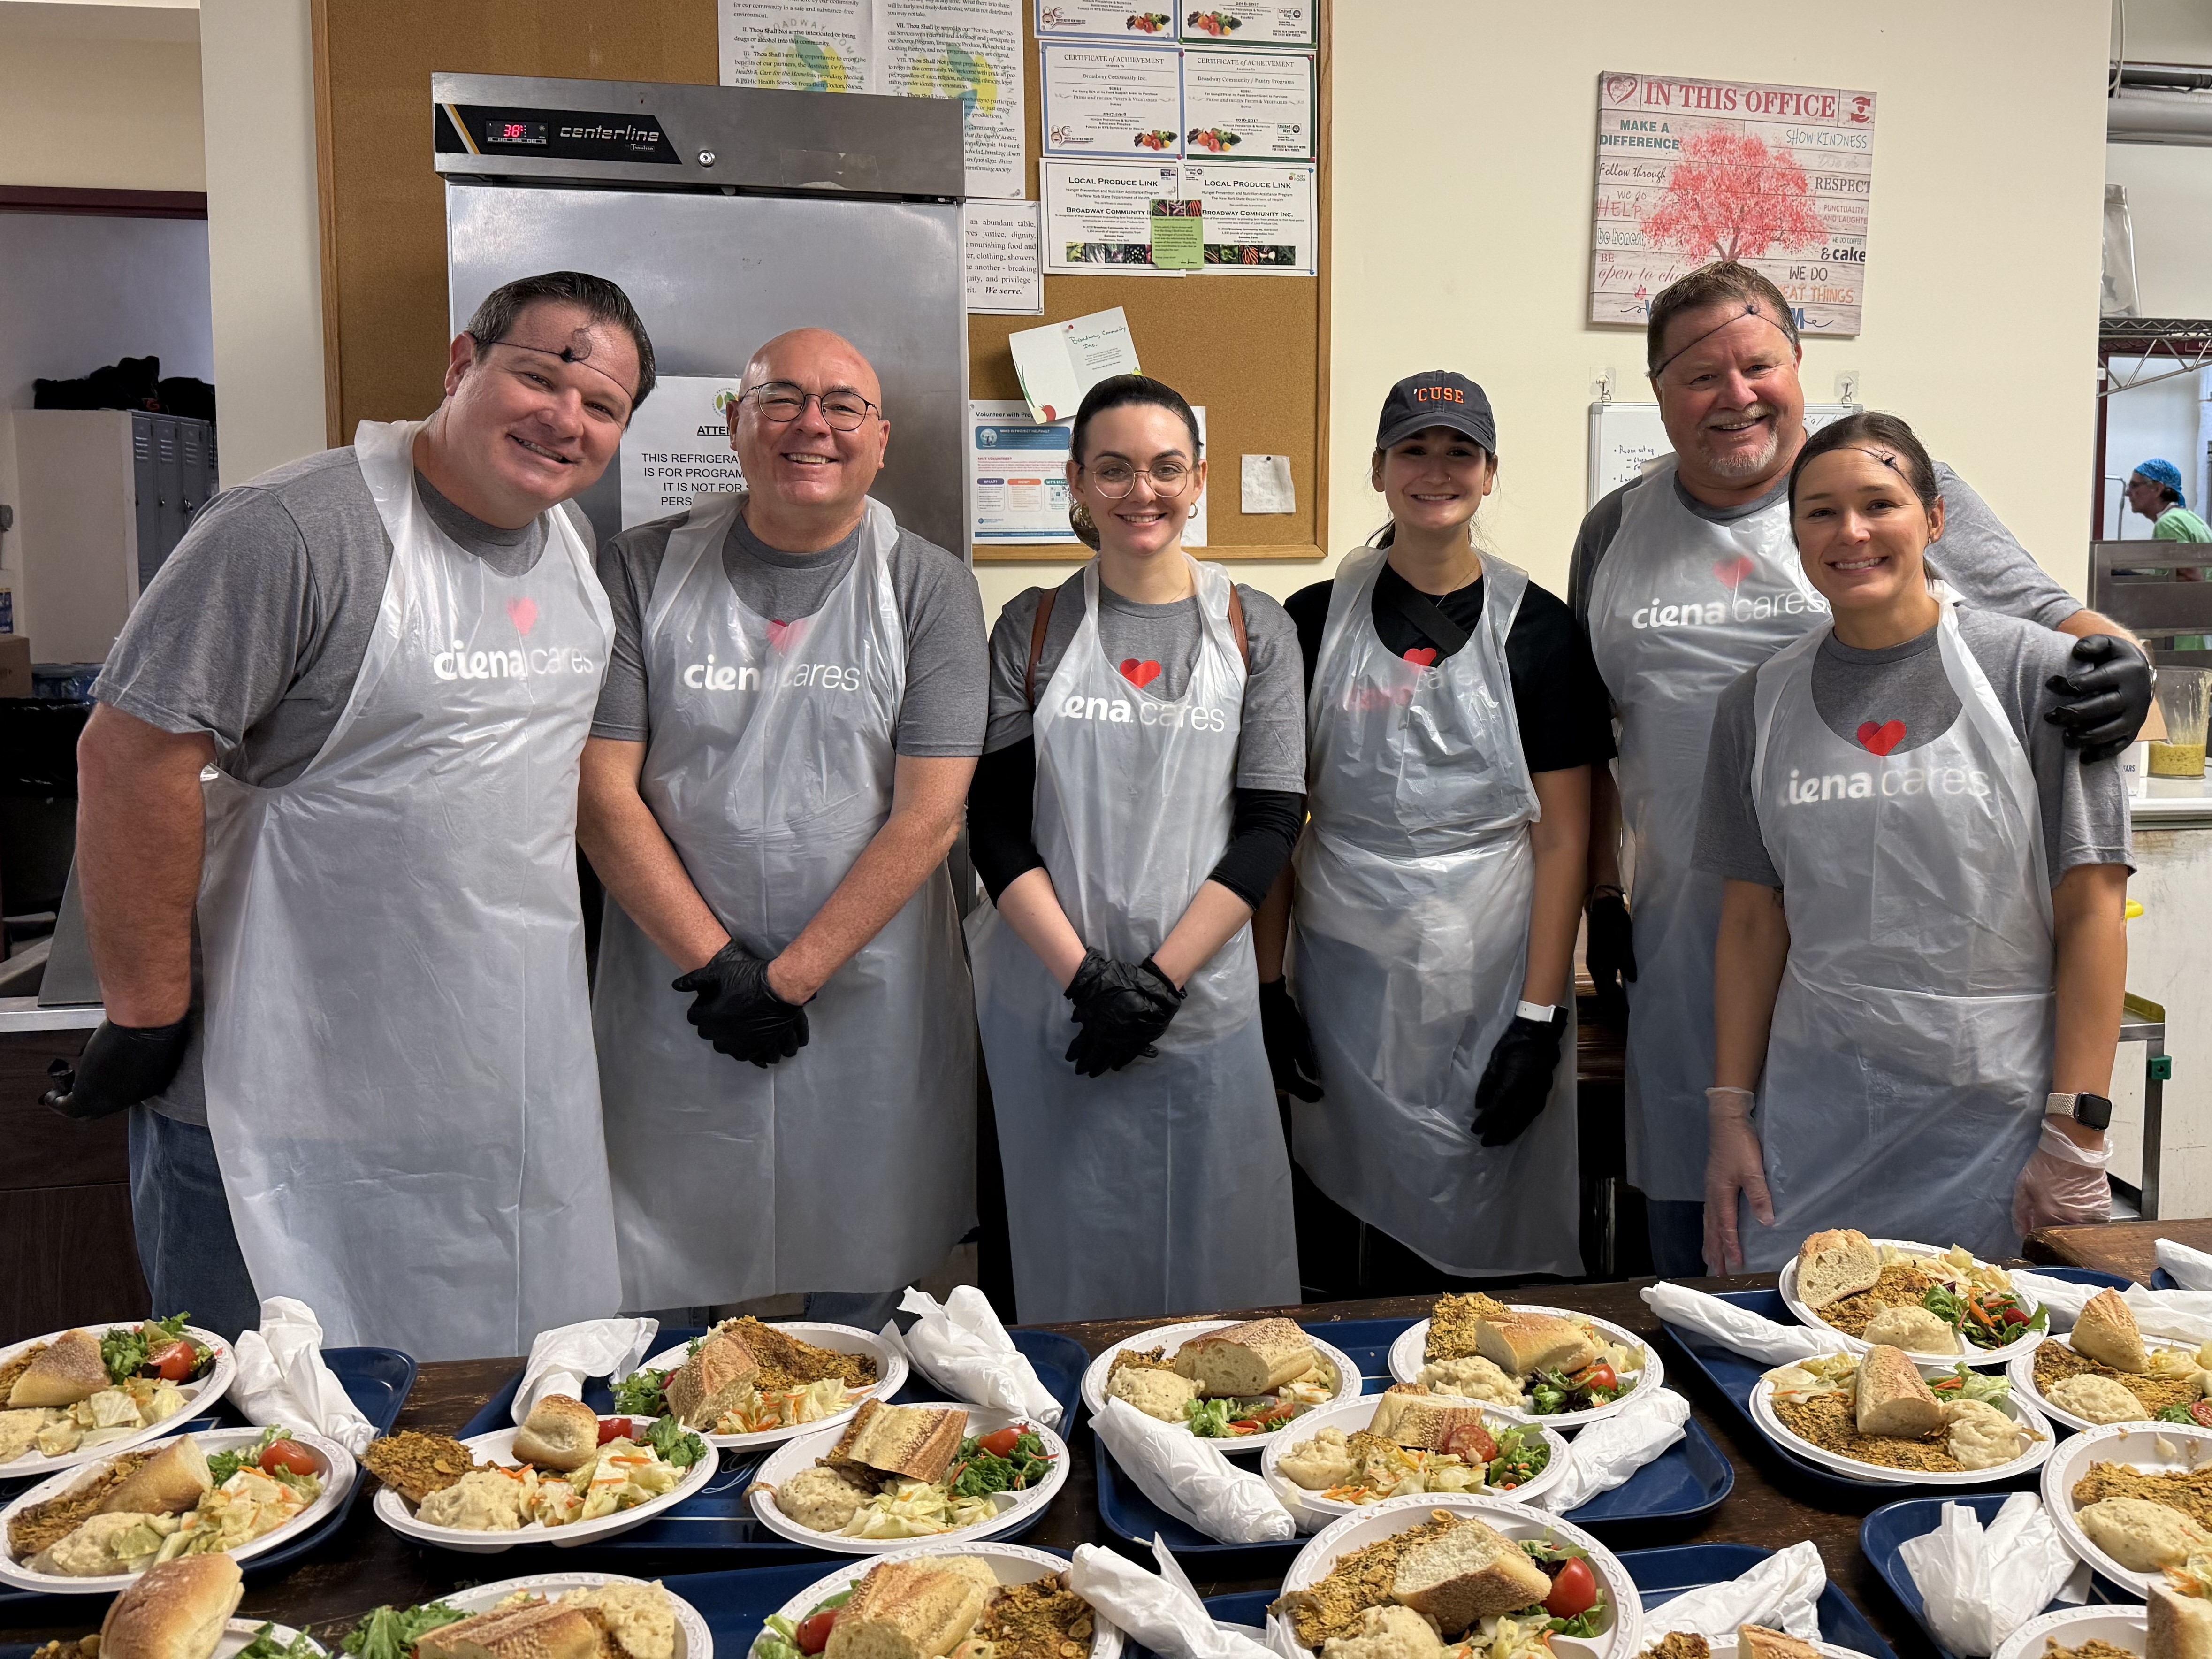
(778,767)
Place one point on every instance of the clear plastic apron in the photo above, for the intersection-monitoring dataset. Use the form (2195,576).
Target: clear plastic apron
(1415,880)
(398,1052)
(851,1165)
(1162,1187)
(1680,608)
(1913,1038)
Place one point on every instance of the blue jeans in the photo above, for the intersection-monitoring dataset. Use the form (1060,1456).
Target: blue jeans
(186,1244)
(1677,1228)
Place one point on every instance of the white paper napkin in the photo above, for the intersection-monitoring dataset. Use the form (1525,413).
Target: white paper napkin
(960,1345)
(1192,1480)
(2189,1268)
(2186,1314)
(281,1378)
(1736,1328)
(1606,1453)
(2062,1296)
(1980,1587)
(1163,1612)
(1782,1593)
(561,1358)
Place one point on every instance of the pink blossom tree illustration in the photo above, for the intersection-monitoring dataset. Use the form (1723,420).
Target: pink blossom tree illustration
(1733,198)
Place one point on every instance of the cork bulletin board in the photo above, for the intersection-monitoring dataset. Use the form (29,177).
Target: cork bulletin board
(1253,350)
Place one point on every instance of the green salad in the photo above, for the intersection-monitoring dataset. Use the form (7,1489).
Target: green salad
(392,1633)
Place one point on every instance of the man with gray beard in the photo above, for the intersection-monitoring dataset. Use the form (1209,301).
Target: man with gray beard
(1685,578)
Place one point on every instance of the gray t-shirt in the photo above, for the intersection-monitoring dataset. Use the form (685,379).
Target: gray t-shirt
(947,683)
(255,628)
(1271,746)
(1980,559)
(1859,694)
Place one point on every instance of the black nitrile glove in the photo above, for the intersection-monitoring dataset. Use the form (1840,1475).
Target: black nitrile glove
(1518,1082)
(1609,952)
(1122,1010)
(2107,698)
(1290,1045)
(121,1066)
(737,1010)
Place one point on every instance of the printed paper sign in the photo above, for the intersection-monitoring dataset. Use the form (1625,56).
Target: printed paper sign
(1178,235)
(677,446)
(1249,105)
(1254,25)
(1002,259)
(807,45)
(1098,215)
(1691,172)
(971,50)
(1259,219)
(1112,102)
(1019,467)
(1074,17)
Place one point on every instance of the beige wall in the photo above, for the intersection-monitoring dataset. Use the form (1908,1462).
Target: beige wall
(100,97)
(1462,183)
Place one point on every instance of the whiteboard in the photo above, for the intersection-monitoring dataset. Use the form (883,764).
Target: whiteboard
(1626,438)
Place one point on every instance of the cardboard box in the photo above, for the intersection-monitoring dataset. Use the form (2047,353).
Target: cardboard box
(15,665)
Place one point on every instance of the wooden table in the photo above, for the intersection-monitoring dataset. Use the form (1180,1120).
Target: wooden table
(366,1563)
(2127,1248)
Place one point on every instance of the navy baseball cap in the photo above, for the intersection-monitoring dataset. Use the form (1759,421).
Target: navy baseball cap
(1438,398)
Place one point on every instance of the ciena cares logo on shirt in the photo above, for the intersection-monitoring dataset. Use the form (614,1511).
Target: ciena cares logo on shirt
(516,662)
(1892,782)
(1714,613)
(711,675)
(1120,711)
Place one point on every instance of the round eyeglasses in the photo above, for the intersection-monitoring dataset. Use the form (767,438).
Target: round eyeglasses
(1116,479)
(782,403)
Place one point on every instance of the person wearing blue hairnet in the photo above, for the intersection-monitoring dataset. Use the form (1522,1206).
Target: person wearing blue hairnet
(2154,491)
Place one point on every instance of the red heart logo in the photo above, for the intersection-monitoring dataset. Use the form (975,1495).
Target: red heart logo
(1731,572)
(1422,656)
(783,635)
(1619,89)
(1883,738)
(1139,674)
(523,613)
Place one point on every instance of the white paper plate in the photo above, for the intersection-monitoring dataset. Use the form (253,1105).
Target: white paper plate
(2022,1372)
(1410,1353)
(200,1397)
(1013,1564)
(694,1640)
(2131,1444)
(1973,1355)
(338,1476)
(802,1454)
(1315,1511)
(890,1369)
(1172,1337)
(498,1446)
(1620,1640)
(2124,1627)
(238,1633)
(1880,1474)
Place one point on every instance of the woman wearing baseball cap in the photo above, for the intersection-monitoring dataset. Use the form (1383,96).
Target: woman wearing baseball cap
(1453,716)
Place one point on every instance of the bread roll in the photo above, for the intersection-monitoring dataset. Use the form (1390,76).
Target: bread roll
(170,1482)
(1525,1342)
(1414,1417)
(1241,1361)
(176,1610)
(561,1433)
(67,1370)
(548,1631)
(1893,1399)
(2107,1332)
(2180,1625)
(711,1382)
(1836,1264)
(913,1609)
(915,1440)
(1471,1573)
(1758,1642)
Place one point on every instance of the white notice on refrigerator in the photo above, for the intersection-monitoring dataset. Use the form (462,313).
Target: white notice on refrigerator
(677,446)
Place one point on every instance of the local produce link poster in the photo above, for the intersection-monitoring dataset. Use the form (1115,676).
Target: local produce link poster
(1691,172)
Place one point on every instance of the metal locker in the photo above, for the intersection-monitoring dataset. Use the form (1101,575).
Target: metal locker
(172,465)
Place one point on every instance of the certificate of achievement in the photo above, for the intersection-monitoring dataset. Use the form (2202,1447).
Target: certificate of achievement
(1255,25)
(1107,22)
(1259,219)
(807,45)
(1114,102)
(1249,105)
(971,50)
(1098,215)
(679,448)
(1001,256)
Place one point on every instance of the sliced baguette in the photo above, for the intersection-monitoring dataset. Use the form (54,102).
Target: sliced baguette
(915,1440)
(544,1631)
(1243,1361)
(1891,1399)
(1409,1415)
(174,1610)
(173,1480)
(1521,1343)
(914,1610)
(1831,1266)
(2180,1625)
(67,1370)
(2107,1332)
(1758,1642)
(1471,1573)
(711,1380)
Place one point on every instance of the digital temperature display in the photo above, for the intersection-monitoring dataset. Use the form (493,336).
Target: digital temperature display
(514,132)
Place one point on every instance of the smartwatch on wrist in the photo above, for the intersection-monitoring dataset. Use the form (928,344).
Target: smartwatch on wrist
(2090,1111)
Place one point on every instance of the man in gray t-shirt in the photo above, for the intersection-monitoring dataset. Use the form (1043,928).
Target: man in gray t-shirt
(775,774)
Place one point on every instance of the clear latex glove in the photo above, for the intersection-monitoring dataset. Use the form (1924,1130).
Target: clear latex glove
(2064,1184)
(1734,1164)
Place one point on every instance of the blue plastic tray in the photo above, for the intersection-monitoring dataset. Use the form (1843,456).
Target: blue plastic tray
(1890,1525)
(735,1605)
(718,1520)
(1732,1376)
(1692,1478)
(376,1380)
(2160,1279)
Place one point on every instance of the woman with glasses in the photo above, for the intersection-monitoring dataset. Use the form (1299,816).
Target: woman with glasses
(1453,719)
(1138,791)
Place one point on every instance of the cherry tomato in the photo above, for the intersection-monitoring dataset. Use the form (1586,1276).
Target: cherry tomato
(1599,1376)
(290,1456)
(1574,1592)
(1471,1442)
(613,1428)
(174,1361)
(814,1632)
(2201,1411)
(1000,1444)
